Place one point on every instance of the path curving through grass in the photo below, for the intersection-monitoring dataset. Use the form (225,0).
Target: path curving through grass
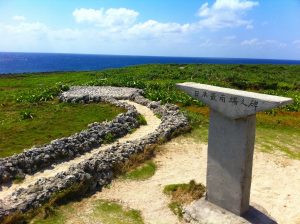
(152,124)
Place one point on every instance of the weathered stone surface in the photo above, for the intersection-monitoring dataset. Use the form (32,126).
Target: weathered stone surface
(233,103)
(231,141)
(229,163)
(95,93)
(203,212)
(97,171)
(63,149)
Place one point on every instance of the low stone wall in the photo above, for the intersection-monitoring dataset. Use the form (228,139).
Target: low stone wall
(98,171)
(63,149)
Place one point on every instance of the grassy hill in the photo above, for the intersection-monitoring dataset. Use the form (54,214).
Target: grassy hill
(25,95)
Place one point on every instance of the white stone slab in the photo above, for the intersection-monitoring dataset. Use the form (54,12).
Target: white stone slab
(233,103)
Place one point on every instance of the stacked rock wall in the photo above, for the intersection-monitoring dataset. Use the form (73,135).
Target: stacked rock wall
(97,171)
(38,158)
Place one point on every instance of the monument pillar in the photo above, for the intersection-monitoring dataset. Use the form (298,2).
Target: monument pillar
(231,140)
(229,161)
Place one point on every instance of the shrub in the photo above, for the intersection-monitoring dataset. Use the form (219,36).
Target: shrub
(40,95)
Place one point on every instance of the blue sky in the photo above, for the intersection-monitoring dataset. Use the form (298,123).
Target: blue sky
(214,28)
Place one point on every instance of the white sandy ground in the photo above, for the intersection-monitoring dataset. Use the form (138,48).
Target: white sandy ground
(275,185)
(152,123)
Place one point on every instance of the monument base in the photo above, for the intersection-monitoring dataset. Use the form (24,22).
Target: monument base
(202,211)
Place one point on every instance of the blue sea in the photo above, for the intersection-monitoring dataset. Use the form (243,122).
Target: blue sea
(11,63)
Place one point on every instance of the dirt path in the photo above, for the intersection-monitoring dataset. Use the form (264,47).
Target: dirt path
(275,186)
(152,123)
(177,161)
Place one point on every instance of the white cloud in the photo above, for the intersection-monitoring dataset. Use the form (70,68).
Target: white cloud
(110,18)
(19,18)
(261,43)
(152,28)
(225,13)
(120,23)
(234,4)
(115,29)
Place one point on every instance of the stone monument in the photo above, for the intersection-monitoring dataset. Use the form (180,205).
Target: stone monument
(231,141)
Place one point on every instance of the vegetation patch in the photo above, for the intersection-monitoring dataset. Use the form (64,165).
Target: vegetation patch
(113,213)
(42,94)
(55,218)
(182,194)
(158,82)
(135,161)
(142,120)
(142,172)
(102,212)
(23,125)
(198,119)
(285,141)
(109,138)
(49,212)
(19,179)
(25,115)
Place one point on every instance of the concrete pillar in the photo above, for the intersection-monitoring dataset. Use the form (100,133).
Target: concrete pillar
(231,141)
(229,161)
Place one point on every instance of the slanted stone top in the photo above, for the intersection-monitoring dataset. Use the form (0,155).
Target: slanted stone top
(233,103)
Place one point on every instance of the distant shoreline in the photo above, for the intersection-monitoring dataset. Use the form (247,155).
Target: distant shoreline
(18,63)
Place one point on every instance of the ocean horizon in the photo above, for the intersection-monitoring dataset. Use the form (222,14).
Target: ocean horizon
(17,62)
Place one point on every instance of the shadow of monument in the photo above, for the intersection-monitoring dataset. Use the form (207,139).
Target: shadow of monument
(255,216)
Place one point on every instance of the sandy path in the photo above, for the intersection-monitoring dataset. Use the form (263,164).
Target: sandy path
(275,186)
(178,161)
(152,123)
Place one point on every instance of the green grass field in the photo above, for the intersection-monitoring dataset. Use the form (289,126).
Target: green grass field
(33,95)
(49,120)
